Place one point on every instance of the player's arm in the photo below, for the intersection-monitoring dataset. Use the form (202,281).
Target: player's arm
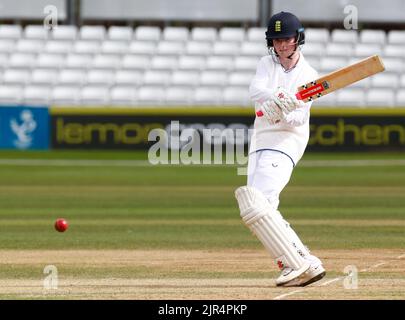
(258,90)
(274,103)
(299,116)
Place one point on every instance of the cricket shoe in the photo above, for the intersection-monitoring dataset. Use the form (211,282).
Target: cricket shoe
(315,273)
(289,274)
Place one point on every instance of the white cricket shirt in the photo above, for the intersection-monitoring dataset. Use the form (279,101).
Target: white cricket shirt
(291,135)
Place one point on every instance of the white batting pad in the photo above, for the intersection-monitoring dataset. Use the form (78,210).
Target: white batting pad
(297,243)
(266,224)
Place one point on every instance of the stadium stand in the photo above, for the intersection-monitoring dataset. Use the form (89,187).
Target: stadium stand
(121,65)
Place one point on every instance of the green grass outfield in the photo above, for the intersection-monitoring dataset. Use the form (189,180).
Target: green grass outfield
(192,207)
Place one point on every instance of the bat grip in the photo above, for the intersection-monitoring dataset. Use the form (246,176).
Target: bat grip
(259,113)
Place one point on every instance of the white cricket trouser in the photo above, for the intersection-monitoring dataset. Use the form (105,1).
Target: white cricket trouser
(269,171)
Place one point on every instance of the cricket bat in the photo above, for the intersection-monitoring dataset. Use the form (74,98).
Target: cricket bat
(338,79)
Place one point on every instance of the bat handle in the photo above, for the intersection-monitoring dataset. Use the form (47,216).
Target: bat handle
(259,113)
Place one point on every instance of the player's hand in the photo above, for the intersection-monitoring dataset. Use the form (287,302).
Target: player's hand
(271,111)
(286,101)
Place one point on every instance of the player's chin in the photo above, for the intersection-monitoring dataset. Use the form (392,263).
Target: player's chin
(285,54)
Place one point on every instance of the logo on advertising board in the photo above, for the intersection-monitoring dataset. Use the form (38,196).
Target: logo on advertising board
(24,128)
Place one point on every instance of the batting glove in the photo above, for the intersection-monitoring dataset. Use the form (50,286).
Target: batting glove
(286,101)
(271,111)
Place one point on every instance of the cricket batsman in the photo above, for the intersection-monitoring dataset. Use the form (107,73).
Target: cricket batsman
(278,143)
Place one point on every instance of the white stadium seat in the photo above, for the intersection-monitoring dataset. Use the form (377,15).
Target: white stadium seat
(114,47)
(213,78)
(314,62)
(78,61)
(198,48)
(207,95)
(396,37)
(16,76)
(314,49)
(394,51)
(10,31)
(355,60)
(257,49)
(191,63)
(400,98)
(58,46)
(339,50)
(7,45)
(119,33)
(142,47)
(246,63)
(94,95)
(170,48)
(48,60)
(72,77)
(380,98)
(178,95)
(351,97)
(236,96)
(326,101)
(85,46)
(219,63)
(100,77)
(373,36)
(44,77)
(65,95)
(393,65)
(22,60)
(385,80)
(402,81)
(128,77)
(64,32)
(136,62)
(184,78)
(147,33)
(316,35)
(363,50)
(204,34)
(151,95)
(225,48)
(106,61)
(164,62)
(175,34)
(240,78)
(97,33)
(10,94)
(231,34)
(256,35)
(344,36)
(123,95)
(36,95)
(331,64)
(363,84)
(153,77)
(36,32)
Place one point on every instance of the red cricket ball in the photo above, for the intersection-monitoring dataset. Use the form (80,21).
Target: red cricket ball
(61,225)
